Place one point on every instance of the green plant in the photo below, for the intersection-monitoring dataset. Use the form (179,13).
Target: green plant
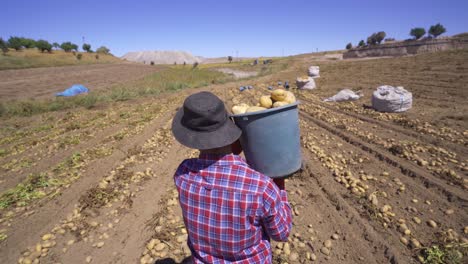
(379,36)
(79,56)
(437,30)
(25,191)
(87,47)
(28,43)
(43,45)
(68,46)
(433,255)
(417,33)
(56,45)
(3,46)
(230,59)
(15,43)
(103,49)
(371,40)
(444,254)
(361,43)
(349,46)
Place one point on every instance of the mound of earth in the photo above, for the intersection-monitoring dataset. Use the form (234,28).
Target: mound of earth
(161,57)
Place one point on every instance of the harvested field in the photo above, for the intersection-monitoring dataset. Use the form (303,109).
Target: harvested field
(96,185)
(40,83)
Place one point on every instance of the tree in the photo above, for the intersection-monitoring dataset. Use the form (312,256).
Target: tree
(28,43)
(15,43)
(56,45)
(361,43)
(87,47)
(371,40)
(103,50)
(230,59)
(417,33)
(74,47)
(3,46)
(349,46)
(437,30)
(43,45)
(67,46)
(379,36)
(195,64)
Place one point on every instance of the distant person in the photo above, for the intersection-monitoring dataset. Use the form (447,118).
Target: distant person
(230,210)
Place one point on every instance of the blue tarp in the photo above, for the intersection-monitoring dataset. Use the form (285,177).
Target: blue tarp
(73,90)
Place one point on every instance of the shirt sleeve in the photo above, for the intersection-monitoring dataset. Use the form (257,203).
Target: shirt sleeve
(277,218)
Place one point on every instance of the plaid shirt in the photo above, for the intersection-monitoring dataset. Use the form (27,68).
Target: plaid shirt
(230,210)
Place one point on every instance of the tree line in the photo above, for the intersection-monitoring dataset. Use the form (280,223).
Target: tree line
(417,33)
(19,43)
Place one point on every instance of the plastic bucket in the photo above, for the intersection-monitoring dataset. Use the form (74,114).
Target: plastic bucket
(271,140)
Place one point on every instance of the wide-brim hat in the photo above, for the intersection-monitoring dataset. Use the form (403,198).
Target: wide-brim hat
(203,123)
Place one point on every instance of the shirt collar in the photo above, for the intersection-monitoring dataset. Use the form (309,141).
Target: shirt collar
(205,160)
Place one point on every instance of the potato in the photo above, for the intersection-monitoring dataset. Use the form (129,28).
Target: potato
(279,104)
(255,109)
(278,95)
(290,98)
(265,101)
(239,109)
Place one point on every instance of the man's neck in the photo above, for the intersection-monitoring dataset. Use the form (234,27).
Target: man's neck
(218,151)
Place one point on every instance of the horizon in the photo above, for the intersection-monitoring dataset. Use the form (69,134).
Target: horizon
(214,29)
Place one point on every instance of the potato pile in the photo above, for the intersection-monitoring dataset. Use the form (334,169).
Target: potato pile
(277,98)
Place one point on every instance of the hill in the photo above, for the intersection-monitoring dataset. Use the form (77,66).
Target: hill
(33,58)
(161,57)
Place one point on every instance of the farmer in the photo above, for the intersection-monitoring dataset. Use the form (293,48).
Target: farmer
(230,210)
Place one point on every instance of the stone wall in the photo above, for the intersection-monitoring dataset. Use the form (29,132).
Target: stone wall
(407,48)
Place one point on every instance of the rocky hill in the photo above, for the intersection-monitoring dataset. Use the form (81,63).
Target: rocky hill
(161,57)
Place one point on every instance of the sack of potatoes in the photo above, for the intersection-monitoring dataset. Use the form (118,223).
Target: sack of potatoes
(277,98)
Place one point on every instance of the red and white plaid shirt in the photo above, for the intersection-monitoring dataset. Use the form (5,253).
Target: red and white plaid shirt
(230,210)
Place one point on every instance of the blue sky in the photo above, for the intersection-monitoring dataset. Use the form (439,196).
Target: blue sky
(222,28)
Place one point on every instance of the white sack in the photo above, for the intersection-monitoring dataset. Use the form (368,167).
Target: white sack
(307,83)
(314,71)
(391,99)
(344,95)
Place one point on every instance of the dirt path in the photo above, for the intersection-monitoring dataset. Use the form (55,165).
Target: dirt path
(45,82)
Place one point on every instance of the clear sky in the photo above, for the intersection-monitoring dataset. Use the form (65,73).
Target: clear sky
(224,27)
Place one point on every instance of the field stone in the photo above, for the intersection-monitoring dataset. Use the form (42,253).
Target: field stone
(313,257)
(327,243)
(335,236)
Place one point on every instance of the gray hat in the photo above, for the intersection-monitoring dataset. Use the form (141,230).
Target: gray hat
(203,123)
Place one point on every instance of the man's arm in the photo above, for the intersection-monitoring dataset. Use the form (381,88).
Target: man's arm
(277,218)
